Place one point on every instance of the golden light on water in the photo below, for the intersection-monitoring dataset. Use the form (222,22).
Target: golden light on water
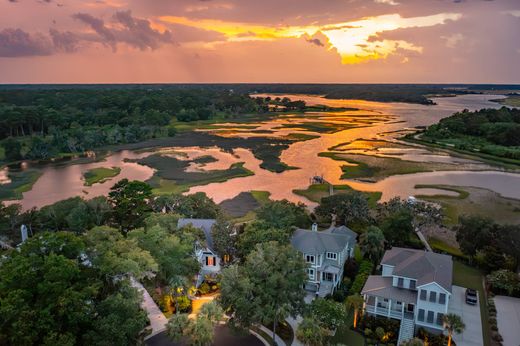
(355,41)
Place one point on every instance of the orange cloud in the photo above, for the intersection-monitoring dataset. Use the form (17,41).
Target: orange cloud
(355,41)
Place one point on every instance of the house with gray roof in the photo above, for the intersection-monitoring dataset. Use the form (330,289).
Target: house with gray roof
(204,252)
(325,253)
(415,287)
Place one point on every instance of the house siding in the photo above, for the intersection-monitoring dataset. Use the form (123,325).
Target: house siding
(434,307)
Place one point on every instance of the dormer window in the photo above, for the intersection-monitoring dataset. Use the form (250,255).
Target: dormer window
(413,284)
(400,282)
(309,258)
(332,255)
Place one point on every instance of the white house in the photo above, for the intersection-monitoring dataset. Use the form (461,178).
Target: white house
(414,287)
(204,252)
(326,253)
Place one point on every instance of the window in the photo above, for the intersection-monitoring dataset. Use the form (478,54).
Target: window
(442,298)
(433,297)
(423,294)
(309,258)
(332,255)
(440,317)
(310,271)
(210,261)
(412,284)
(429,319)
(420,317)
(400,282)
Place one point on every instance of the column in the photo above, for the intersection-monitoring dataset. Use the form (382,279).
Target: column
(389,307)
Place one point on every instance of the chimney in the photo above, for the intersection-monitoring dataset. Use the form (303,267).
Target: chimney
(315,227)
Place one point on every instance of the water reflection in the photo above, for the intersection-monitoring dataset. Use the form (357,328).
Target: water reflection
(373,121)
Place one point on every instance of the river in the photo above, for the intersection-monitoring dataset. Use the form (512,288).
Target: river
(373,121)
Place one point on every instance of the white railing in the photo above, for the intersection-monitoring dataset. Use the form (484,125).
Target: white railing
(383,311)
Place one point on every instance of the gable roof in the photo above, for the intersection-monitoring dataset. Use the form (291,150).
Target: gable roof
(423,266)
(314,242)
(204,224)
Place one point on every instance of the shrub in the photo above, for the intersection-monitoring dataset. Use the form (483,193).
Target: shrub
(204,288)
(365,268)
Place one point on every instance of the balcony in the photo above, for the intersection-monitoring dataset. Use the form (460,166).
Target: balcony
(382,311)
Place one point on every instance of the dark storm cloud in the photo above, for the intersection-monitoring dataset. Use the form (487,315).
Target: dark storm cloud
(133,31)
(17,43)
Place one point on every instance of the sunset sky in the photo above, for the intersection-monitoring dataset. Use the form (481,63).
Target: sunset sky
(339,41)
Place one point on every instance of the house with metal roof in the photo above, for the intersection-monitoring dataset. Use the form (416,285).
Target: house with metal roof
(415,287)
(325,253)
(204,252)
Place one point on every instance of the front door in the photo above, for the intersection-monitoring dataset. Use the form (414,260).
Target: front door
(328,277)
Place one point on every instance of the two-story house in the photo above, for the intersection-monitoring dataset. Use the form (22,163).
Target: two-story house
(325,253)
(204,252)
(414,287)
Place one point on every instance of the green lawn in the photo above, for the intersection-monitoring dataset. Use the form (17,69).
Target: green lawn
(347,336)
(441,246)
(100,175)
(469,277)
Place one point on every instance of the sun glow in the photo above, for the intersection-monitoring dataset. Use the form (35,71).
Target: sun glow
(355,41)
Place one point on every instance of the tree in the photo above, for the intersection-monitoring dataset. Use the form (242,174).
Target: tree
(12,148)
(310,333)
(117,257)
(178,286)
(373,244)
(266,288)
(355,302)
(51,294)
(130,200)
(398,227)
(223,240)
(258,232)
(173,254)
(453,323)
(330,314)
(197,205)
(284,214)
(199,332)
(505,280)
(99,209)
(474,233)
(347,208)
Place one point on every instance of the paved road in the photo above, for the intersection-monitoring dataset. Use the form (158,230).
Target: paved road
(508,318)
(223,337)
(472,335)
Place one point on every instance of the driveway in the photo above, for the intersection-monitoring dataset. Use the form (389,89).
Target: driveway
(470,314)
(508,318)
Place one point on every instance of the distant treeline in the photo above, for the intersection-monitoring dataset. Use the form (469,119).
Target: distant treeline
(38,123)
(411,93)
(491,131)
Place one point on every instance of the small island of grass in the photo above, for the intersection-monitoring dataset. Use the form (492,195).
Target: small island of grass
(100,175)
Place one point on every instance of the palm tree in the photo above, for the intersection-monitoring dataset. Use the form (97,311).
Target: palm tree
(355,302)
(453,323)
(177,286)
(178,326)
(373,244)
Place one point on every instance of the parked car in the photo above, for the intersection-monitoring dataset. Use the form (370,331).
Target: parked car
(471,296)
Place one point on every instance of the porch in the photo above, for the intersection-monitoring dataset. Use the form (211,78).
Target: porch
(388,307)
